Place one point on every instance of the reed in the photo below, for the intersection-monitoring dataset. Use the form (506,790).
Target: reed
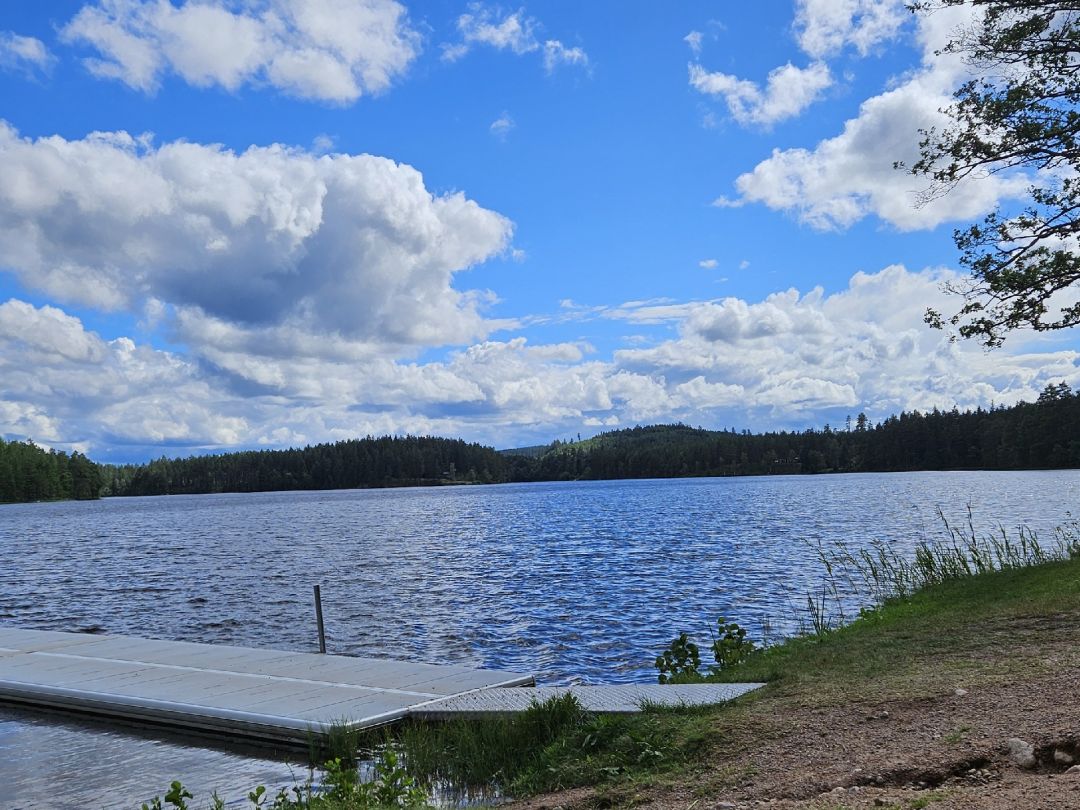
(884,572)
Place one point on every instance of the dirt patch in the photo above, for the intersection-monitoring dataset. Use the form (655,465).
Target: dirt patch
(947,748)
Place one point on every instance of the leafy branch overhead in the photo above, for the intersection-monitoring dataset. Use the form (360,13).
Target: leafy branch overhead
(1020,115)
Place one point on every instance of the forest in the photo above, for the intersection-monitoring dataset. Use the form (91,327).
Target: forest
(388,461)
(29,473)
(1044,434)
(1041,435)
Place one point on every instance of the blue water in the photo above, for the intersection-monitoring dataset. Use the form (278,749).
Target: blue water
(574,582)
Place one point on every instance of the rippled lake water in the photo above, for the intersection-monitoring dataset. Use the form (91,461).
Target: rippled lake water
(574,582)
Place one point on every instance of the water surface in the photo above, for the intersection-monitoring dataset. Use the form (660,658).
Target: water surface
(574,582)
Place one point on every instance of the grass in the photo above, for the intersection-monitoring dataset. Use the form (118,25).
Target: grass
(884,573)
(552,745)
(950,616)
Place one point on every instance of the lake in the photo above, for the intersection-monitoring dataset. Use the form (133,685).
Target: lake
(574,582)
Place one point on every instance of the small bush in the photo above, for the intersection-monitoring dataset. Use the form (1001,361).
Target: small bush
(731,646)
(679,662)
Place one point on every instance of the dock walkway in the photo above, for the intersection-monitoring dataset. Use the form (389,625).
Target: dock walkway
(276,694)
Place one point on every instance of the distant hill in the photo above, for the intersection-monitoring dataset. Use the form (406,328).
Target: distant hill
(1038,435)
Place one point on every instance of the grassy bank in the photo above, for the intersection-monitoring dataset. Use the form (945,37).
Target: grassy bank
(964,628)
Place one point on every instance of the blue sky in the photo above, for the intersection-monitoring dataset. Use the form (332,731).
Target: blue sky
(317,219)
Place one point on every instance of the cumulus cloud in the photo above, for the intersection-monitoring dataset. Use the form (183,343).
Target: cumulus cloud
(850,176)
(64,385)
(26,55)
(515,32)
(328,50)
(272,239)
(790,360)
(788,91)
(825,27)
(480,26)
(807,355)
(708,264)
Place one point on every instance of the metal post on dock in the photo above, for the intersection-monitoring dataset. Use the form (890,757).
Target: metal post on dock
(318,618)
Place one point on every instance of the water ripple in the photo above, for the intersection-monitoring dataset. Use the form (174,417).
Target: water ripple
(574,582)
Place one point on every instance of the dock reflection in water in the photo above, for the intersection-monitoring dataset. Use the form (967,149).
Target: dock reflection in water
(53,760)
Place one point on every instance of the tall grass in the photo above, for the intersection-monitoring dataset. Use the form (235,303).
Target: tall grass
(554,744)
(887,573)
(494,749)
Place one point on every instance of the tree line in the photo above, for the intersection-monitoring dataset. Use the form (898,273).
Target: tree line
(387,461)
(30,473)
(1040,434)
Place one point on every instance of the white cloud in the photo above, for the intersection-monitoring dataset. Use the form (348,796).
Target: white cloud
(501,126)
(825,27)
(790,360)
(850,176)
(353,247)
(323,144)
(24,54)
(744,264)
(708,264)
(795,358)
(727,202)
(328,50)
(42,333)
(515,32)
(557,54)
(788,91)
(480,26)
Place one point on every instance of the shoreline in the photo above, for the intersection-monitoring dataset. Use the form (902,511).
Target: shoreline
(914,705)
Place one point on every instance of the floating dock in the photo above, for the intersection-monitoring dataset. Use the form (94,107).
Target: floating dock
(278,695)
(263,694)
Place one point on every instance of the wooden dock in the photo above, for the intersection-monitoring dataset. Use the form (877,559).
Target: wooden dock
(261,694)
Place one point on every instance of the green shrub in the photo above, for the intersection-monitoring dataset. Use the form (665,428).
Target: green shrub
(679,662)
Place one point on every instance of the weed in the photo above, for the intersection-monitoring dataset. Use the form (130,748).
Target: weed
(342,741)
(956,735)
(679,662)
(731,646)
(925,800)
(489,750)
(341,789)
(175,796)
(818,613)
